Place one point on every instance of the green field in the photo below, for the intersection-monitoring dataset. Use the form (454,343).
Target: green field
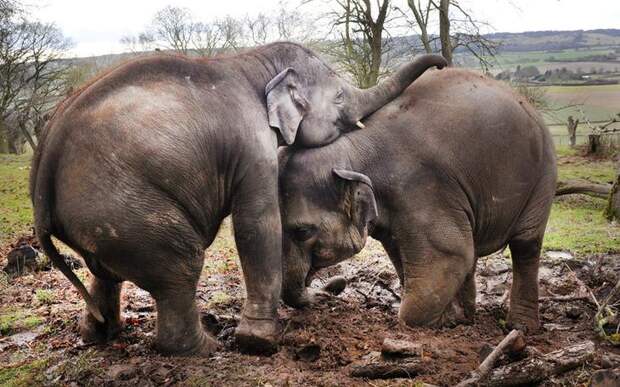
(577,223)
(15,207)
(596,103)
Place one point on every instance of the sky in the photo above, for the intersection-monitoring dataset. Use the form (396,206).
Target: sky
(96,27)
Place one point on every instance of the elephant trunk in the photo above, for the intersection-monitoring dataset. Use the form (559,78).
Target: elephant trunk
(295,266)
(370,100)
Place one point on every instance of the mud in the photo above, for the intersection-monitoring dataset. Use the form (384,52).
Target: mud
(319,345)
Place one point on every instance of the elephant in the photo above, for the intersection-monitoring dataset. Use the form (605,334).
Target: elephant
(457,167)
(137,169)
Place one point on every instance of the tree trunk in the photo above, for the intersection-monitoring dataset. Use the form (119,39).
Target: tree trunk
(571,126)
(27,135)
(578,187)
(422,23)
(594,144)
(612,212)
(444,30)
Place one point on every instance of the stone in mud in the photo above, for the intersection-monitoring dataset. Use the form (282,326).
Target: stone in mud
(495,268)
(121,371)
(336,285)
(21,260)
(309,352)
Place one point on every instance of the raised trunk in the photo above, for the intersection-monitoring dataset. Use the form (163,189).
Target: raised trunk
(370,100)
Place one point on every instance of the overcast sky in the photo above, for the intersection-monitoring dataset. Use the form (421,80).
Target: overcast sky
(97,26)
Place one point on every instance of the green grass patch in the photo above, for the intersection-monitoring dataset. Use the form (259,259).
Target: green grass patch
(596,172)
(14,320)
(44,296)
(219,298)
(29,374)
(15,207)
(577,224)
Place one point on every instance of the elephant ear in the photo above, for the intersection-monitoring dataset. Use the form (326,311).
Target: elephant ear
(286,104)
(359,197)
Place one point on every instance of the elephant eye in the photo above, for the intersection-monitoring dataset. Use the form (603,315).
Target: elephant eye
(339,96)
(303,233)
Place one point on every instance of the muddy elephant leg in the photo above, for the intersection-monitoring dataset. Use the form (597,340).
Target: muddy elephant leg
(258,235)
(465,300)
(107,296)
(179,331)
(435,268)
(523,312)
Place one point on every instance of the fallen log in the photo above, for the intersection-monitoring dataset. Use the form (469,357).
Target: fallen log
(388,370)
(601,191)
(400,348)
(536,369)
(514,340)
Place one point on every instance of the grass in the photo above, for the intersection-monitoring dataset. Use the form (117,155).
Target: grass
(15,207)
(577,223)
(13,320)
(44,296)
(28,374)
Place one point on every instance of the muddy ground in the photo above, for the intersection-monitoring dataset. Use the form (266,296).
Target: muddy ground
(40,345)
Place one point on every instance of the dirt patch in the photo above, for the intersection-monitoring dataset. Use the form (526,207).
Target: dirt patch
(319,345)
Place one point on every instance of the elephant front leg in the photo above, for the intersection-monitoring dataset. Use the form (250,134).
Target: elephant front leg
(258,235)
(436,279)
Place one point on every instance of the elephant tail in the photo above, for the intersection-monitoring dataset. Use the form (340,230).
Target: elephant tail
(40,196)
(52,252)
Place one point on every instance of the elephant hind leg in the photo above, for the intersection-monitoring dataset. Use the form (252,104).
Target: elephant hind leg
(523,312)
(179,329)
(107,296)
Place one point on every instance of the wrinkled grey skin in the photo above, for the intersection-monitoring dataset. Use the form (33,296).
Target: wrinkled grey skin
(455,168)
(137,171)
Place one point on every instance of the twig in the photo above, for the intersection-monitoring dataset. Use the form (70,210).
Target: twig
(610,295)
(389,289)
(580,282)
(487,365)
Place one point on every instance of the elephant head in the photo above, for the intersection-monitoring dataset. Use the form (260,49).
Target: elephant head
(326,216)
(311,106)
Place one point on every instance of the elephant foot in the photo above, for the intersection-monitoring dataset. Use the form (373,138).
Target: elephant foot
(94,332)
(201,344)
(257,336)
(526,324)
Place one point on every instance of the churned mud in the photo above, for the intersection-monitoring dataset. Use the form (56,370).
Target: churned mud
(39,341)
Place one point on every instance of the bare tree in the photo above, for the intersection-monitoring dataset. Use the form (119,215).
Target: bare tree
(457,29)
(261,29)
(231,30)
(444,30)
(421,15)
(31,74)
(142,42)
(173,27)
(362,38)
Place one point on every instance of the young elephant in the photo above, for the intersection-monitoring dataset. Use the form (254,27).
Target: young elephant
(455,168)
(137,170)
